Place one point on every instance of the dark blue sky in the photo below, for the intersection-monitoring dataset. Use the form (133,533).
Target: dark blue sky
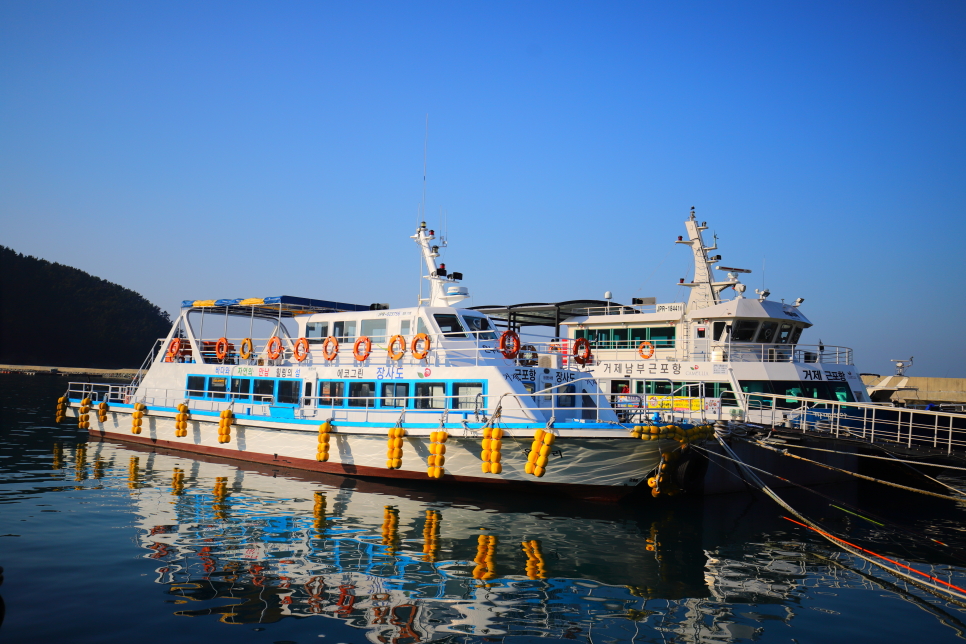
(250,149)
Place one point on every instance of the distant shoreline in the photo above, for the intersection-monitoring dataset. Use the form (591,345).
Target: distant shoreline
(66,371)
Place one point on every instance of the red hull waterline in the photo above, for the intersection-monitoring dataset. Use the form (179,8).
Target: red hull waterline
(599,493)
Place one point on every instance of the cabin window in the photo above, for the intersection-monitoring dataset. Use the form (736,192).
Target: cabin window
(599,338)
(307,400)
(529,387)
(465,393)
(717,330)
(566,399)
(480,327)
(330,393)
(240,388)
(289,392)
(784,333)
(264,390)
(700,332)
(362,394)
(637,336)
(217,387)
(658,387)
(316,332)
(196,386)
(375,329)
(421,326)
(394,394)
(757,386)
(723,391)
(744,330)
(766,334)
(689,389)
(404,326)
(449,325)
(796,334)
(620,338)
(661,336)
(430,395)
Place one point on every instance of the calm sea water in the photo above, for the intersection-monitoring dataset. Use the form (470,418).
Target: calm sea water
(103,541)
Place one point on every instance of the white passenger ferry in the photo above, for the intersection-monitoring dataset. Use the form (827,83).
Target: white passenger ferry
(427,392)
(703,359)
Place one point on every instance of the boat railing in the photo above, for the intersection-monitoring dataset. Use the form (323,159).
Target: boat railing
(627,351)
(911,428)
(465,349)
(623,309)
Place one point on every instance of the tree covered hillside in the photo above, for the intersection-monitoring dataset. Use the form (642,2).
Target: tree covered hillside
(55,315)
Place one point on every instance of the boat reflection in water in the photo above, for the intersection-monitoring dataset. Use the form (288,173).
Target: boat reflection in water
(405,565)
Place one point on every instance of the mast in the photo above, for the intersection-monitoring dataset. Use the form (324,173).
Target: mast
(444,289)
(704,290)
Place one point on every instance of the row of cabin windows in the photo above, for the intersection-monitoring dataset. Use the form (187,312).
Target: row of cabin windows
(767,332)
(689,389)
(258,390)
(450,325)
(395,394)
(428,395)
(823,390)
(662,337)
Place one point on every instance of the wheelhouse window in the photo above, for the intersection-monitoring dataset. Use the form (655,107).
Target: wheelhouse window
(331,393)
(264,391)
(784,333)
(796,334)
(465,395)
(241,388)
(449,325)
(430,395)
(394,394)
(766,334)
(718,331)
(479,327)
(217,387)
(744,330)
(361,394)
(196,386)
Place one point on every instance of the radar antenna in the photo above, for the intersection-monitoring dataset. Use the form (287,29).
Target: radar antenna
(902,365)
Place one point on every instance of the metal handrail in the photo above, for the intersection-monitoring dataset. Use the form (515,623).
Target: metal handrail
(865,421)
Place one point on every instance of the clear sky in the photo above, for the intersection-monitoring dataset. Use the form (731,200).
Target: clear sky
(206,150)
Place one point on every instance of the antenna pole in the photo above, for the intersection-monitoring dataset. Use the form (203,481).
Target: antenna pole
(425,148)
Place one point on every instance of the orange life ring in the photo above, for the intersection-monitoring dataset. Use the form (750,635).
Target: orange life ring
(645,346)
(221,348)
(174,349)
(427,343)
(247,346)
(582,354)
(362,341)
(330,342)
(301,349)
(274,347)
(393,341)
(514,339)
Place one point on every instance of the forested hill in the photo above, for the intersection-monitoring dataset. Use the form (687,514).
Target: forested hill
(55,315)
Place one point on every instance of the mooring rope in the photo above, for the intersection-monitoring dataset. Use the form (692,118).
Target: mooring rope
(959,594)
(954,550)
(891,457)
(855,474)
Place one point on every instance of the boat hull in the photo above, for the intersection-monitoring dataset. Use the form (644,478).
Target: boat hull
(606,468)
